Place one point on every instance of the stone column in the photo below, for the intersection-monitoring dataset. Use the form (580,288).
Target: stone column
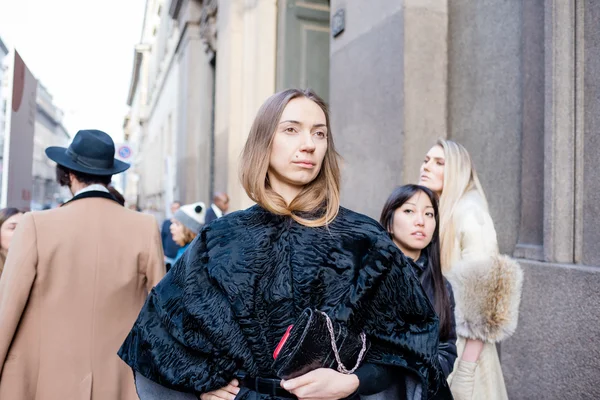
(194,132)
(367,101)
(561,131)
(245,78)
(388,90)
(587,174)
(531,231)
(425,81)
(485,101)
(228,80)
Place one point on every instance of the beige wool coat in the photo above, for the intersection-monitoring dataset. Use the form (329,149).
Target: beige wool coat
(74,282)
(487,291)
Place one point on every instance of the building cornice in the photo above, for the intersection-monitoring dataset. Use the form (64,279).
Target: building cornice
(208,26)
(138,56)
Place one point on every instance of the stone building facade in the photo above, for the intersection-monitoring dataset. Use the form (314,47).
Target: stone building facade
(150,125)
(199,109)
(48,131)
(514,81)
(517,83)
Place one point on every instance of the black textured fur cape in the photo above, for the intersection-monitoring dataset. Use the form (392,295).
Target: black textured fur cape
(227,302)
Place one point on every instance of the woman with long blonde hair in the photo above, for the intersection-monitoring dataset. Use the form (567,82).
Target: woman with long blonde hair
(234,302)
(486,285)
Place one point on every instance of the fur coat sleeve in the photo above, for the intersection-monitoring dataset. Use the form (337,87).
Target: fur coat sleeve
(487,285)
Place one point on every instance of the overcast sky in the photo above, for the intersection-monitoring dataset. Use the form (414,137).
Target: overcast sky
(81,51)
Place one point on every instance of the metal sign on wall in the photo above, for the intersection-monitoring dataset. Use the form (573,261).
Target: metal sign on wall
(124,152)
(17,181)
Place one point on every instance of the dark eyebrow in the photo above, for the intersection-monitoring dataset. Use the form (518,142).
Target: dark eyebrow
(298,123)
(412,204)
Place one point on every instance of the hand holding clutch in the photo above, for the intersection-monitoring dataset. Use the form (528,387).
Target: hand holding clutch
(314,341)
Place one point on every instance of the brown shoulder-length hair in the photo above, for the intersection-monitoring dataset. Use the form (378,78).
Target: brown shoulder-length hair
(188,236)
(322,194)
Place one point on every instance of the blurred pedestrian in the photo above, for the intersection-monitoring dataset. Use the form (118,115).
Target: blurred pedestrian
(170,248)
(9,219)
(186,224)
(74,281)
(219,207)
(472,263)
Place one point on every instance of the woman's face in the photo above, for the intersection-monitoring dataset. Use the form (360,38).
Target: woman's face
(177,232)
(7,230)
(414,225)
(432,170)
(299,146)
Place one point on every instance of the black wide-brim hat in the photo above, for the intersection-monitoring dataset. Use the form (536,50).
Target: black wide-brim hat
(91,152)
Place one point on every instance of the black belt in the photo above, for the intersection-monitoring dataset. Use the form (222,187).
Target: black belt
(268,386)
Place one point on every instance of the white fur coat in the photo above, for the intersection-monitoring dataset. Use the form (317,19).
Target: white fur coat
(486,285)
(487,291)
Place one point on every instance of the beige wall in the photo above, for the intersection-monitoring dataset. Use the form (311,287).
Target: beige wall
(425,80)
(245,78)
(388,90)
(516,83)
(173,156)
(156,148)
(173,139)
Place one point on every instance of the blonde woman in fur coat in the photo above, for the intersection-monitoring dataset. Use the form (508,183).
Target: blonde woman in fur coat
(486,285)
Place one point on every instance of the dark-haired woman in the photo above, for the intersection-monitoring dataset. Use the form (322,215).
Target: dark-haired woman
(410,215)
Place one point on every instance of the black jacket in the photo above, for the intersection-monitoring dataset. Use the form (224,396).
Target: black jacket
(447,349)
(225,305)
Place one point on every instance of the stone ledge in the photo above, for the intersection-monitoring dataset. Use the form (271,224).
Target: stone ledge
(529,251)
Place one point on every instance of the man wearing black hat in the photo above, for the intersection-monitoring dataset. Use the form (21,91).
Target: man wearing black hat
(74,282)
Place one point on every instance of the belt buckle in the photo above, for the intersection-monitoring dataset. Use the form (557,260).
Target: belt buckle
(266,386)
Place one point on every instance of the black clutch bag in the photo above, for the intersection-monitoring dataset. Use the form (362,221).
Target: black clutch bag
(314,341)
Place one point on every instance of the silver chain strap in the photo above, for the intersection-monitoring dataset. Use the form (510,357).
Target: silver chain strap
(341,367)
